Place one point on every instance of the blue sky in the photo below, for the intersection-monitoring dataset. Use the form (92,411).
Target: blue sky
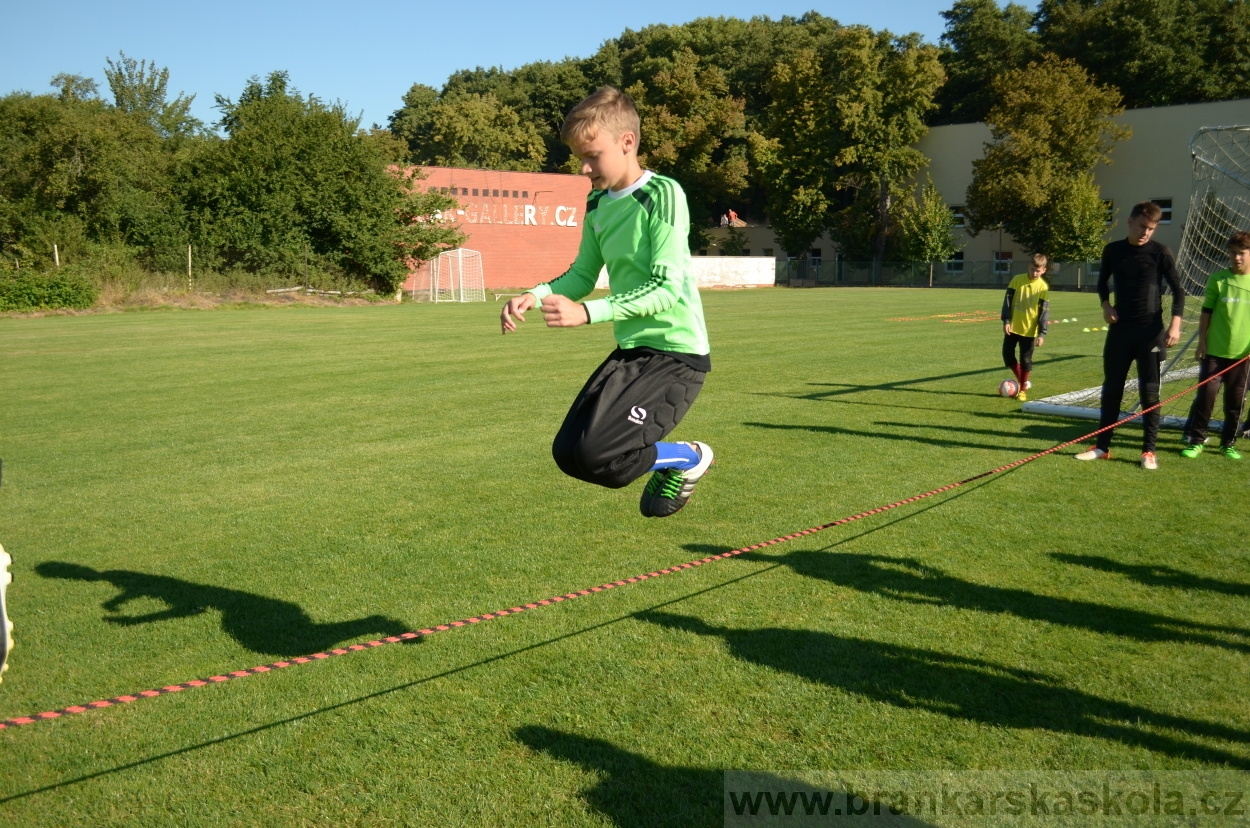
(367,53)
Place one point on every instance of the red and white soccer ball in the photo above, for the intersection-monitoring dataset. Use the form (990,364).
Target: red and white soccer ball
(1008,388)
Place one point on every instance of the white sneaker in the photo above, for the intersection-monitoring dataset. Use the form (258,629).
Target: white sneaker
(6,626)
(1149,461)
(1028,384)
(669,490)
(1093,454)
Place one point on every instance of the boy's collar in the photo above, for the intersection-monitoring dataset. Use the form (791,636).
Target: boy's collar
(637,185)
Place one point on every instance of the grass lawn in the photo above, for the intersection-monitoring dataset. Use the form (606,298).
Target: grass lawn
(188,493)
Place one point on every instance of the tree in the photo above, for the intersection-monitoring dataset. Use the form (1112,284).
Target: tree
(467,130)
(981,42)
(792,157)
(296,176)
(140,88)
(694,131)
(927,229)
(75,87)
(1051,127)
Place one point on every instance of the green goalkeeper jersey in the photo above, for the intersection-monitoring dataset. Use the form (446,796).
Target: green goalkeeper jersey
(640,234)
(1228,301)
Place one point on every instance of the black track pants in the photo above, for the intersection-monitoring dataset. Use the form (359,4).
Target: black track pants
(1026,343)
(1123,347)
(1234,383)
(627,406)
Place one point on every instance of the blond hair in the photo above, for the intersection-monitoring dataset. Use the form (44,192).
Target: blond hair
(607,108)
(1040,259)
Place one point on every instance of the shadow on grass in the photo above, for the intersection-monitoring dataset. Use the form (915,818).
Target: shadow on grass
(633,790)
(261,624)
(1052,434)
(1163,576)
(842,388)
(964,688)
(349,703)
(907,579)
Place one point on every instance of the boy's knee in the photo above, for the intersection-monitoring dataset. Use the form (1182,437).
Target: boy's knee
(579,460)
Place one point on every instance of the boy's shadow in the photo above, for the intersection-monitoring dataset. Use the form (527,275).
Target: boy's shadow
(633,790)
(261,624)
(964,688)
(907,579)
(1162,576)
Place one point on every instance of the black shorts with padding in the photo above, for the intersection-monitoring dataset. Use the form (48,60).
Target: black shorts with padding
(630,403)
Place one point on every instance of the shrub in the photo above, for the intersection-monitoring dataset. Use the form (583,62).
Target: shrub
(38,291)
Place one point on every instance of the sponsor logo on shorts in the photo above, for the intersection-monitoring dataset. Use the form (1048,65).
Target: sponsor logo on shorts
(637,415)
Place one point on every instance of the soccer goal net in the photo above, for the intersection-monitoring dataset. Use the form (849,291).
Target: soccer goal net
(1219,206)
(453,276)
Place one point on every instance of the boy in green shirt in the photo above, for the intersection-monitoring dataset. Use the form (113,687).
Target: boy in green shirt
(1025,310)
(637,224)
(1223,341)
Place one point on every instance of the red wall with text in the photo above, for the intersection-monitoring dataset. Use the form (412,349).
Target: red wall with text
(527,226)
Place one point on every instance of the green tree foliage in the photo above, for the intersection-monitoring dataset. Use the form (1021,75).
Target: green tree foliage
(140,88)
(295,177)
(927,229)
(840,151)
(76,172)
(1156,52)
(982,40)
(1051,126)
(467,129)
(693,130)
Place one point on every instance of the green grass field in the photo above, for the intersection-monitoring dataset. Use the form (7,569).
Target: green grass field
(189,493)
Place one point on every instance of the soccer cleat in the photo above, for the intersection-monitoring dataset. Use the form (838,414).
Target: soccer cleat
(6,626)
(1192,450)
(1022,397)
(1093,454)
(1149,461)
(1230,452)
(669,490)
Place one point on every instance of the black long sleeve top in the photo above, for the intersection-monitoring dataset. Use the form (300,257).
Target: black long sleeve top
(1139,272)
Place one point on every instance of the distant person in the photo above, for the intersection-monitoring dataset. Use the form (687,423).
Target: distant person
(1223,342)
(637,223)
(1025,317)
(6,626)
(733,219)
(1139,267)
(724,219)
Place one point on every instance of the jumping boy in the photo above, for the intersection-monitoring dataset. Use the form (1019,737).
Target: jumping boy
(1223,341)
(1025,311)
(1139,267)
(637,223)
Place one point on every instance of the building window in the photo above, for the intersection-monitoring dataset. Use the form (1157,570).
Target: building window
(1110,215)
(514,194)
(814,255)
(955,264)
(525,194)
(494,194)
(746,251)
(1165,204)
(768,251)
(1002,261)
(957,212)
(703,251)
(475,191)
(1093,267)
(464,191)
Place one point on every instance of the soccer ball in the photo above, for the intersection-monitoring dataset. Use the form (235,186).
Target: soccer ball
(1008,388)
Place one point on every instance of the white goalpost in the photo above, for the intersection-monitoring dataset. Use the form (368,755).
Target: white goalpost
(453,276)
(1218,207)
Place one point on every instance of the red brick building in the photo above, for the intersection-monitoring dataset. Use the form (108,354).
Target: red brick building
(527,226)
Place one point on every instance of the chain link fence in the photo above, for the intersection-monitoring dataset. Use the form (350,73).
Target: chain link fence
(797,273)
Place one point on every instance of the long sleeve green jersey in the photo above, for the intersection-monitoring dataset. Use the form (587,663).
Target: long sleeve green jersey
(640,234)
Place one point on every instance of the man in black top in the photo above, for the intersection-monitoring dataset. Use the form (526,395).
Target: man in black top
(1139,267)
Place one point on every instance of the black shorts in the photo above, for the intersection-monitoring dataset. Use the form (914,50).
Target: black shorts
(629,404)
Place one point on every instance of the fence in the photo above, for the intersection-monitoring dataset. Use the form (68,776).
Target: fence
(816,273)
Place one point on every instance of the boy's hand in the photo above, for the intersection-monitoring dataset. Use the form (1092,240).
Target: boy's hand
(1174,332)
(562,312)
(1007,328)
(516,306)
(1040,340)
(1109,314)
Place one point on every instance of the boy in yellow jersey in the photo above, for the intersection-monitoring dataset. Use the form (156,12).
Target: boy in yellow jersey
(1025,317)
(637,224)
(1223,342)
